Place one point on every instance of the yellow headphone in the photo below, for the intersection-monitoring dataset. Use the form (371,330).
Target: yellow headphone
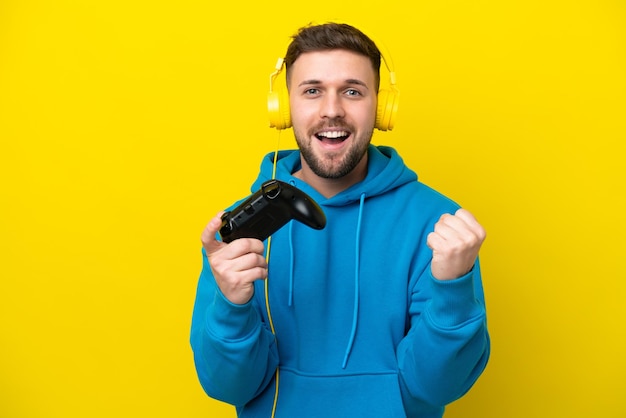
(386,111)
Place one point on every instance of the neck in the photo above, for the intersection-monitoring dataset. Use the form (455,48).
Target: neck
(330,187)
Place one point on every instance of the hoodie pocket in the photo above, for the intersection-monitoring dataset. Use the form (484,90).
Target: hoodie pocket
(364,395)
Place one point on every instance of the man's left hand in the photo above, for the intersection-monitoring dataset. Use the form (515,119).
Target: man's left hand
(455,242)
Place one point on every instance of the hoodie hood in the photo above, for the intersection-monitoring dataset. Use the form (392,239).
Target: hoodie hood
(385,171)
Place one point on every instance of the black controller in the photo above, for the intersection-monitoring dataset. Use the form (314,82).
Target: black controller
(269,209)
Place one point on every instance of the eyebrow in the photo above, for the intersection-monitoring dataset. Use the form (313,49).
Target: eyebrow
(350,81)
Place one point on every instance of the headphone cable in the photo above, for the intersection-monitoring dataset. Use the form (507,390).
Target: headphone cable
(267,294)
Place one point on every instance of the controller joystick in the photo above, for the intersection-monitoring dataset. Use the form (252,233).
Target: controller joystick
(268,210)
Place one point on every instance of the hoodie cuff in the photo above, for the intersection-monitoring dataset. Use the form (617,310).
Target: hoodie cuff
(229,321)
(454,301)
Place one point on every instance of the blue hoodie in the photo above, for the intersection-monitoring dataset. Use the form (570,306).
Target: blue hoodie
(363,329)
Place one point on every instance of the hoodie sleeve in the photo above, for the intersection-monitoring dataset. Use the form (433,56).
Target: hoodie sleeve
(447,346)
(234,352)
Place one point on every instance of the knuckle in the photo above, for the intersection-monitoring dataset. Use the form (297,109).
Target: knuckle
(219,269)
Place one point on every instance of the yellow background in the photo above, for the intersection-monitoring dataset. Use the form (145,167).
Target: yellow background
(125,125)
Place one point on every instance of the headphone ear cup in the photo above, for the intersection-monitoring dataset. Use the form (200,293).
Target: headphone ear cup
(278,109)
(387,109)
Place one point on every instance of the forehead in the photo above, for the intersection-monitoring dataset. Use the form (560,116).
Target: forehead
(333,66)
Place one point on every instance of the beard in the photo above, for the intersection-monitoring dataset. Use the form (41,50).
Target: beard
(333,165)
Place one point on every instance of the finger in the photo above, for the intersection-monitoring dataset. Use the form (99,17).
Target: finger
(449,226)
(209,241)
(435,241)
(454,234)
(243,246)
(466,217)
(247,267)
(252,275)
(252,266)
(462,223)
(472,223)
(247,249)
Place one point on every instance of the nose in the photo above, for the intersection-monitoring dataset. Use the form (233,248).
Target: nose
(331,106)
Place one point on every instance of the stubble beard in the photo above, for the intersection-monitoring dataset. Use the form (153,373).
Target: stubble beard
(333,165)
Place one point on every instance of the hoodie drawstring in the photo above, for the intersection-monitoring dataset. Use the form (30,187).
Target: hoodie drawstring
(357,290)
(355,312)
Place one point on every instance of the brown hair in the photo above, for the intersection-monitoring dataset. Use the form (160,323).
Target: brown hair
(330,36)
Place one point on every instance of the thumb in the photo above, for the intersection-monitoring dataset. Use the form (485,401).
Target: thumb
(209,242)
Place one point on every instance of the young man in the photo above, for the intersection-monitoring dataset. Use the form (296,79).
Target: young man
(381,313)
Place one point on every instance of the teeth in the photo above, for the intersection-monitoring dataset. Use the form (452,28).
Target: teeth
(333,134)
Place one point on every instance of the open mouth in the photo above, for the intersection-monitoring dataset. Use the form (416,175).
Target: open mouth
(332,137)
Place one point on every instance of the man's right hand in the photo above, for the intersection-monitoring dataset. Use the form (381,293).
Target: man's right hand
(236,265)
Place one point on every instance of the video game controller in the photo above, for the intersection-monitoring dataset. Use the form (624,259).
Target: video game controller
(268,210)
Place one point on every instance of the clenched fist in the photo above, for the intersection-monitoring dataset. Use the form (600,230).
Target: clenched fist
(455,242)
(235,266)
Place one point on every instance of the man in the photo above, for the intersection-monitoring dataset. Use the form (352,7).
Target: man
(381,313)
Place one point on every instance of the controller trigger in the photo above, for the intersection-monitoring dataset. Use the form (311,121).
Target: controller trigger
(271,189)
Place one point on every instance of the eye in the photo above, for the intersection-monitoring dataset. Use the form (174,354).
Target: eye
(311,91)
(353,93)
